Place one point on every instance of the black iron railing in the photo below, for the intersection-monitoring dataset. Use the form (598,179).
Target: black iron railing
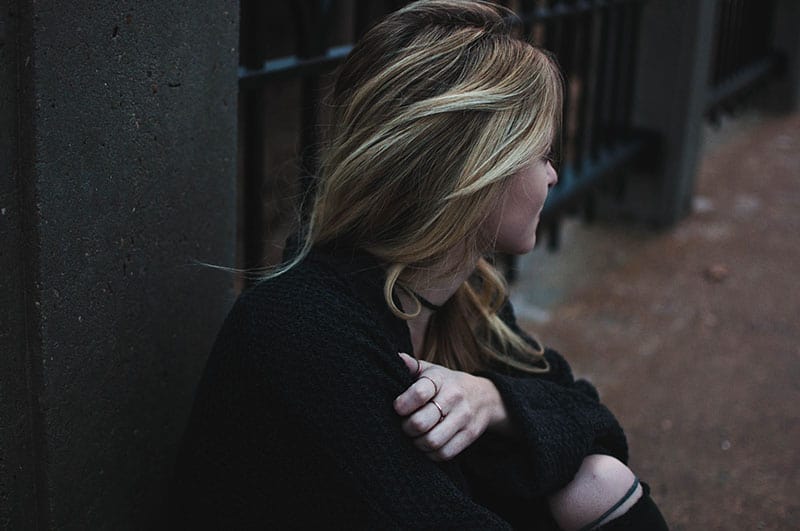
(743,55)
(595,43)
(594,40)
(286,50)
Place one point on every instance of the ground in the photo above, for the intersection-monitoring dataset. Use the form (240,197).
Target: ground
(692,334)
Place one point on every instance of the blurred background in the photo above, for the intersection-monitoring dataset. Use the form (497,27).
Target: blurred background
(140,140)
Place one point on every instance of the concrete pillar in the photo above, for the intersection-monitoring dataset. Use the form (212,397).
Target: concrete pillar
(117,172)
(672,81)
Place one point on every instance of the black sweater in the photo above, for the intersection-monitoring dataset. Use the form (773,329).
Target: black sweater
(293,424)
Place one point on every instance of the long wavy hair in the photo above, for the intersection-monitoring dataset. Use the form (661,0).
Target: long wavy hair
(431,113)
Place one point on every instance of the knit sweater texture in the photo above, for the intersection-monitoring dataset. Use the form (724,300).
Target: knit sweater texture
(293,424)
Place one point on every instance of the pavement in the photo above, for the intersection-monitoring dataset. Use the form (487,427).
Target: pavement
(691,335)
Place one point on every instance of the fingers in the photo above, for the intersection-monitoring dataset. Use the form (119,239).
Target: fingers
(412,364)
(420,392)
(447,439)
(444,437)
(417,396)
(415,366)
(457,444)
(443,429)
(422,421)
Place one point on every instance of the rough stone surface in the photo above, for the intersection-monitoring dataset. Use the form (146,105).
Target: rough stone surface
(692,334)
(130,180)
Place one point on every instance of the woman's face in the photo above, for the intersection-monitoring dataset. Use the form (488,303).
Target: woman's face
(512,224)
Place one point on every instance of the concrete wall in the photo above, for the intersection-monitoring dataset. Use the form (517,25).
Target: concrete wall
(118,142)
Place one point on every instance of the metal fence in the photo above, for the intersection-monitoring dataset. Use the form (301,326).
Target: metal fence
(595,45)
(288,50)
(743,54)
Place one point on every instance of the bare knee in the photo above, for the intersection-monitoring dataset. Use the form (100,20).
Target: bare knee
(601,482)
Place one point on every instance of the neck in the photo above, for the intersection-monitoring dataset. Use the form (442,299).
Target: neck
(437,287)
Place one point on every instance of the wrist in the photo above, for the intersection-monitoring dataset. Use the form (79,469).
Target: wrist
(498,420)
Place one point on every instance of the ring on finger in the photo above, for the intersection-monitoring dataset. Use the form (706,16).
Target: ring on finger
(419,367)
(435,387)
(441,412)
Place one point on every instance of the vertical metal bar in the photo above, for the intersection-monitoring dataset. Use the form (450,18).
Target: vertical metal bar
(553,38)
(361,17)
(716,57)
(615,31)
(253,216)
(725,55)
(626,55)
(768,25)
(253,108)
(759,28)
(311,41)
(592,82)
(736,36)
(728,42)
(756,30)
(584,72)
(554,41)
(633,56)
(747,35)
(719,58)
(568,46)
(623,45)
(732,37)
(629,29)
(527,7)
(602,88)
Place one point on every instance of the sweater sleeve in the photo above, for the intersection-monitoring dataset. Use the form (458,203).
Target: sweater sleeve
(560,371)
(555,428)
(557,421)
(329,380)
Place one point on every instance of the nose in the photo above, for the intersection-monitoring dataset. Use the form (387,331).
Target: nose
(552,175)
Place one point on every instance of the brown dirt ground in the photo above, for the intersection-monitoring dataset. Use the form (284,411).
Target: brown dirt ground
(692,335)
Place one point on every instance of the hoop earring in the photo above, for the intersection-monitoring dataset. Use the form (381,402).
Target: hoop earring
(413,297)
(392,275)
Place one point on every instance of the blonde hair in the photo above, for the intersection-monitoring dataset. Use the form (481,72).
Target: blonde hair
(432,112)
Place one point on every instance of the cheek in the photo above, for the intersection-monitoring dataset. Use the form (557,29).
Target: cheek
(530,196)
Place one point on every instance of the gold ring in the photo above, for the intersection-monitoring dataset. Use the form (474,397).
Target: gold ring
(435,387)
(441,413)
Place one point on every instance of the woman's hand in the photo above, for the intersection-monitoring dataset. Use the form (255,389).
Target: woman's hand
(445,410)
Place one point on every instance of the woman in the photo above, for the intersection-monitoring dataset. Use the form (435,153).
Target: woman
(378,379)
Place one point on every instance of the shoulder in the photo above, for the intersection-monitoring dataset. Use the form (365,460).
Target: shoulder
(313,318)
(325,286)
(308,289)
(307,304)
